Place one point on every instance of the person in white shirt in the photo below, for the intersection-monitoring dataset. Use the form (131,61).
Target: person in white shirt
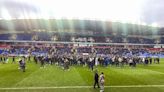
(102,80)
(120,61)
(96,61)
(143,60)
(113,60)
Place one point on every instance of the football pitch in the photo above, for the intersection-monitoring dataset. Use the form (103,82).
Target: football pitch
(80,79)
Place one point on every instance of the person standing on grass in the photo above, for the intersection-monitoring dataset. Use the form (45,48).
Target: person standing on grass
(29,58)
(1,59)
(102,80)
(158,60)
(120,61)
(150,60)
(96,78)
(66,64)
(96,61)
(35,59)
(13,59)
(42,61)
(22,64)
(146,61)
(91,63)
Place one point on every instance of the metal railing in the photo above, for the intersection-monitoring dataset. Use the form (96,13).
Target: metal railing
(62,42)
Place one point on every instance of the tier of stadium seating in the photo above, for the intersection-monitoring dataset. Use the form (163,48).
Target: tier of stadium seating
(62,50)
(78,38)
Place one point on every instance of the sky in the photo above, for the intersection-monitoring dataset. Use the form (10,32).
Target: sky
(145,12)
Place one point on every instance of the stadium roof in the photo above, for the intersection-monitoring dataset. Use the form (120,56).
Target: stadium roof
(65,25)
(147,12)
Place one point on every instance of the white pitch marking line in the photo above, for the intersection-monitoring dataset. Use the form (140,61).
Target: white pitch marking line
(76,87)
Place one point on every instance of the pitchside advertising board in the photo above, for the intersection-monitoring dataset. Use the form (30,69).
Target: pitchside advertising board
(159,46)
(4,46)
(82,45)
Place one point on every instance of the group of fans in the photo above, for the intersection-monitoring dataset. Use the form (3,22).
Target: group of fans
(92,61)
(54,57)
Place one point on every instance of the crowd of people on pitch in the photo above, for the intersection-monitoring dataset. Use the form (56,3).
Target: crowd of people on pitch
(68,57)
(92,61)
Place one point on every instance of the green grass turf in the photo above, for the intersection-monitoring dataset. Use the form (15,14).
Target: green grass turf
(54,76)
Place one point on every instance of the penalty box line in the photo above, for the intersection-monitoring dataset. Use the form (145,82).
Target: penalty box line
(78,87)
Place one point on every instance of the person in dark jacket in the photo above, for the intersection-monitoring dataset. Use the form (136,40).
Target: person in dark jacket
(150,60)
(96,78)
(13,59)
